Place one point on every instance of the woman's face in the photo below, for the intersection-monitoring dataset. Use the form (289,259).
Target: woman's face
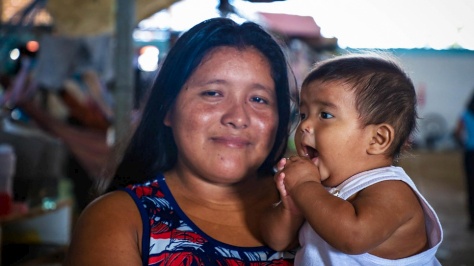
(225,118)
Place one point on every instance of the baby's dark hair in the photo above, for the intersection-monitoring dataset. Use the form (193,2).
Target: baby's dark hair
(384,93)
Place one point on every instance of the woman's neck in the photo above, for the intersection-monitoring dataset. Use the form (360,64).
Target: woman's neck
(229,213)
(199,189)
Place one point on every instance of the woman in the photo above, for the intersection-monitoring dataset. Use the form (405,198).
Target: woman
(198,170)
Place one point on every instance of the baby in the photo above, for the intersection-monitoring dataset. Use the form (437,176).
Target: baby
(342,195)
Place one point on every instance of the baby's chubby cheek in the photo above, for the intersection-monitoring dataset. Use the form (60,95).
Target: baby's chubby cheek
(323,171)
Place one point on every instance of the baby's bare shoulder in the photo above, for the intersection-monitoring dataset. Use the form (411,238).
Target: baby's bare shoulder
(389,204)
(390,191)
(401,210)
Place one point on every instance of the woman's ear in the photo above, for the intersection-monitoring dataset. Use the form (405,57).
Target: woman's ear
(167,119)
(381,140)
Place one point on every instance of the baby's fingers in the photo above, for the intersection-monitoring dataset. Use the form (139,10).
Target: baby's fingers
(281,164)
(280,184)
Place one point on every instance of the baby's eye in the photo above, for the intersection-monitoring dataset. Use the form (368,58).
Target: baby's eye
(302,116)
(325,115)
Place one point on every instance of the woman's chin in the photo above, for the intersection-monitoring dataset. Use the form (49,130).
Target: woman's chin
(231,174)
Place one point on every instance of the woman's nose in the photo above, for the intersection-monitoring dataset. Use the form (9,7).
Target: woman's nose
(236,115)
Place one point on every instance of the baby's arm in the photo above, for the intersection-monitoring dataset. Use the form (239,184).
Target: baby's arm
(281,222)
(363,223)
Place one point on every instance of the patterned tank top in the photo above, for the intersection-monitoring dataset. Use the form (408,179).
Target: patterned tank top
(171,238)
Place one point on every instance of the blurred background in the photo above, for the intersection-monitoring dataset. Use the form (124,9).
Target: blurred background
(73,73)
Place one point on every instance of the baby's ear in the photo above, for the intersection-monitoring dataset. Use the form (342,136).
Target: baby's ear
(382,138)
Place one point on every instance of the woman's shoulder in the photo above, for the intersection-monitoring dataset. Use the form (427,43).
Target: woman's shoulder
(110,199)
(112,206)
(115,220)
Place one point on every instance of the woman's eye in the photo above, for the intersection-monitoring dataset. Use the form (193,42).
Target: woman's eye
(210,93)
(259,100)
(325,115)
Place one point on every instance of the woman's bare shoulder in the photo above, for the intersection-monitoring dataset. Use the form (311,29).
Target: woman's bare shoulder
(109,230)
(111,199)
(109,207)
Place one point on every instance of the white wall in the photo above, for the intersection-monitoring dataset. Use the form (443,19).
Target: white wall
(447,79)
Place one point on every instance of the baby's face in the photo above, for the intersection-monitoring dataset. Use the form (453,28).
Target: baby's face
(330,132)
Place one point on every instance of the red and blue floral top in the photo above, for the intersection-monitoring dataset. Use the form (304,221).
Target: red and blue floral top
(171,238)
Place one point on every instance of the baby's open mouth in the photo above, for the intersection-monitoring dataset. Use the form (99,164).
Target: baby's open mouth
(311,152)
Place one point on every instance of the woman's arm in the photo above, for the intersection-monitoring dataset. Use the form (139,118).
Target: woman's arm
(108,232)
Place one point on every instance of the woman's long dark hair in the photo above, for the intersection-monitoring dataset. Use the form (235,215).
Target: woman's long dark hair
(152,148)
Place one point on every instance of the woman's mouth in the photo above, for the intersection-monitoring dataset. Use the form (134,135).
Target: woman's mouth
(232,141)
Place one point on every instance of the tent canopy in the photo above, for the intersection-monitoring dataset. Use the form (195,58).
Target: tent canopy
(92,17)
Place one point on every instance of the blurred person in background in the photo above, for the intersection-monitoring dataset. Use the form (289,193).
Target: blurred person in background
(464,134)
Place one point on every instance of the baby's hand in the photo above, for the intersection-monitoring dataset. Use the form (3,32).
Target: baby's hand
(287,202)
(281,164)
(298,170)
(278,178)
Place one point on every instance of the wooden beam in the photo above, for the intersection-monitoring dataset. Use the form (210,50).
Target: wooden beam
(124,74)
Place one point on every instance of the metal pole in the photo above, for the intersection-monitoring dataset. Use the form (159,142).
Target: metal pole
(124,74)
